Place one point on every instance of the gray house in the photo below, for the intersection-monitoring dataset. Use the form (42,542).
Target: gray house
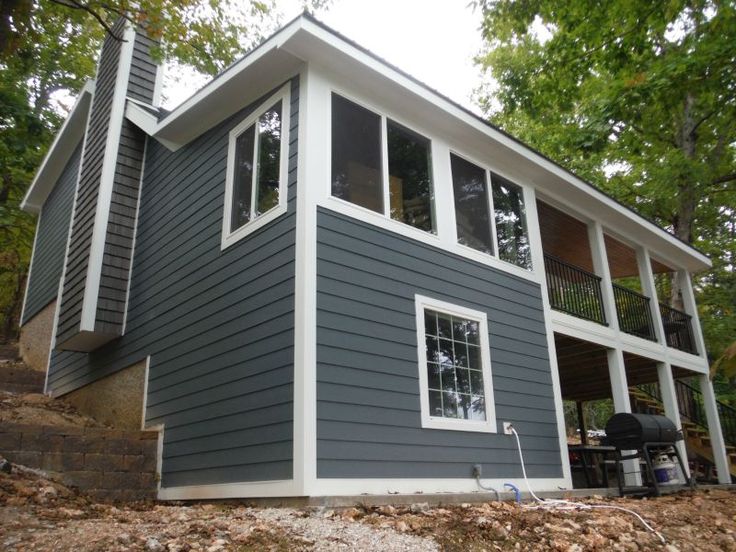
(317,276)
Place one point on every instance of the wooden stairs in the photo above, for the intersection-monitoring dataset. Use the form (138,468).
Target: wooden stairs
(697,439)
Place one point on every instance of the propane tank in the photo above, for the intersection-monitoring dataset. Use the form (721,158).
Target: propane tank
(665,470)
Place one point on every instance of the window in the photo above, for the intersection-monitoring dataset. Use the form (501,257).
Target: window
(255,190)
(356,155)
(511,231)
(470,187)
(402,186)
(475,228)
(454,367)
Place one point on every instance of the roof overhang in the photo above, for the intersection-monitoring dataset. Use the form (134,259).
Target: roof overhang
(306,41)
(66,141)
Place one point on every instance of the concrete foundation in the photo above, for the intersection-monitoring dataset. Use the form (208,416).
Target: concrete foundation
(35,338)
(116,400)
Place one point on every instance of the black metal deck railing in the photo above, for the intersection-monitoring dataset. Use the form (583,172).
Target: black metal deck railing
(691,406)
(633,312)
(573,290)
(678,329)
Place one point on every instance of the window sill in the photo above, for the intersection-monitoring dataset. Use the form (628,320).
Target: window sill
(458,425)
(381,221)
(232,238)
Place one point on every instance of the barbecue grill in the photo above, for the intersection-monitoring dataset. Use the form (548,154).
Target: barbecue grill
(643,436)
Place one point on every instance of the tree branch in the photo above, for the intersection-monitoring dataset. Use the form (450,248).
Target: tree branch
(725,178)
(76,5)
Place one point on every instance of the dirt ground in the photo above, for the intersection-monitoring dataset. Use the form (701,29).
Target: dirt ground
(40,514)
(38,409)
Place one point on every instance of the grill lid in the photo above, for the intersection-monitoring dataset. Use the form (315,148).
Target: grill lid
(630,431)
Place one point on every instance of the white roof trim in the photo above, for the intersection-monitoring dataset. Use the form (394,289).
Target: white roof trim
(290,43)
(60,151)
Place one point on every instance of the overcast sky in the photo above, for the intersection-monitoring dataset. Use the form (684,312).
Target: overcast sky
(432,40)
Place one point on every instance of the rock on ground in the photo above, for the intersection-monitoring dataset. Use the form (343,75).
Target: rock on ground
(40,514)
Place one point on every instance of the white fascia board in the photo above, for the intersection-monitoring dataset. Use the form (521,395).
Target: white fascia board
(261,70)
(60,151)
(316,44)
(146,121)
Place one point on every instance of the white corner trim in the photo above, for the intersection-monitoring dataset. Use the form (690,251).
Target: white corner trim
(158,84)
(305,292)
(64,144)
(135,238)
(52,341)
(30,271)
(421,303)
(144,406)
(231,237)
(537,253)
(104,194)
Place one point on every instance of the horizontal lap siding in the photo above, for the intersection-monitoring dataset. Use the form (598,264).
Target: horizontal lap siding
(115,275)
(50,245)
(70,311)
(219,325)
(369,421)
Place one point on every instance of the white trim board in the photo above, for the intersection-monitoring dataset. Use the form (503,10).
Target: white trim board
(421,304)
(348,487)
(230,237)
(107,178)
(61,149)
(305,281)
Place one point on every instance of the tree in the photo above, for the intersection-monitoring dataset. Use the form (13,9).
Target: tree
(48,50)
(639,98)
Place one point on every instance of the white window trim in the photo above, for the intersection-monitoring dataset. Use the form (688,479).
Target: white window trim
(385,215)
(434,422)
(445,236)
(229,238)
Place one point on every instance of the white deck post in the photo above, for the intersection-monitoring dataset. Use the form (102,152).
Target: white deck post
(616,364)
(691,308)
(671,408)
(600,265)
(537,253)
(622,403)
(649,288)
(714,429)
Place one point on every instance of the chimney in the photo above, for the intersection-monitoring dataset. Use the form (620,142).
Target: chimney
(100,247)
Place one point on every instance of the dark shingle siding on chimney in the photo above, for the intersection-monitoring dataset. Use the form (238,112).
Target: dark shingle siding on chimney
(120,232)
(70,312)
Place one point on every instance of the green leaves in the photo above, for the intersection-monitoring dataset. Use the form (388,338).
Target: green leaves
(644,92)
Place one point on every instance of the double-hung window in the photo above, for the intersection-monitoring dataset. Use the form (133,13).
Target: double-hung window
(454,367)
(255,189)
(492,220)
(380,165)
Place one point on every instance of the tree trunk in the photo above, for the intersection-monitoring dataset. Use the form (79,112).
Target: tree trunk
(684,218)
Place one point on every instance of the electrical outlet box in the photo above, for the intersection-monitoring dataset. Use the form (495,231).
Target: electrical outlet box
(477,470)
(507,428)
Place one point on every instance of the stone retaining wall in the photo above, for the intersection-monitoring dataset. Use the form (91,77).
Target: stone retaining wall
(105,464)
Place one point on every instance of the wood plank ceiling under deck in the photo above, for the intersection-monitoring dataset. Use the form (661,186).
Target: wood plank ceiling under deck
(583,368)
(566,237)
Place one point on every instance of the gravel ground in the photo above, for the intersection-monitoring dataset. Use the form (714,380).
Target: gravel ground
(38,513)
